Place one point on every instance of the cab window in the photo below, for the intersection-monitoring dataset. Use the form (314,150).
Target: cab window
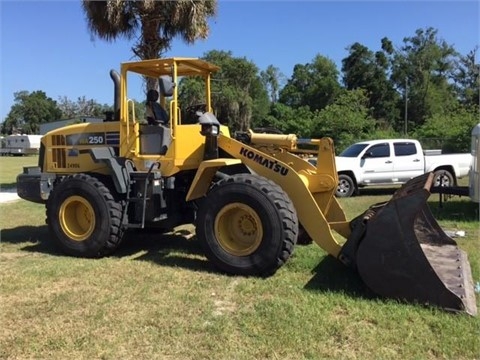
(404,148)
(378,151)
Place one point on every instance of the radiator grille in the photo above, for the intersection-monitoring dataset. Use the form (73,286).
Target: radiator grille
(58,140)
(59,153)
(59,158)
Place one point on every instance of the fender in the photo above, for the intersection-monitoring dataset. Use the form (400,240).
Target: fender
(204,175)
(119,173)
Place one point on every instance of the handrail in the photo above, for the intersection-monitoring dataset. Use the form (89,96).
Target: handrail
(127,116)
(172,118)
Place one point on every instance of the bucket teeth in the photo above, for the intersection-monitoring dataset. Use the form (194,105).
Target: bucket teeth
(452,267)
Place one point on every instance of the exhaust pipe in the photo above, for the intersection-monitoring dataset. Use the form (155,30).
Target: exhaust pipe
(116,94)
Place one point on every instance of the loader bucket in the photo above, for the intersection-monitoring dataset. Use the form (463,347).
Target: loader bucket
(401,252)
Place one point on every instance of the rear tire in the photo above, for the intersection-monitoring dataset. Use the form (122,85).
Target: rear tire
(443,178)
(346,186)
(247,226)
(84,218)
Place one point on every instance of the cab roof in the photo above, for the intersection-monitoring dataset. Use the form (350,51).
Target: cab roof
(159,67)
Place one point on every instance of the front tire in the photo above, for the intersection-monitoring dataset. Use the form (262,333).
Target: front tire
(247,226)
(346,186)
(84,218)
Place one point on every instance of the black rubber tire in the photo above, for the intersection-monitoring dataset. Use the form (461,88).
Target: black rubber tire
(346,186)
(303,237)
(107,231)
(275,212)
(443,178)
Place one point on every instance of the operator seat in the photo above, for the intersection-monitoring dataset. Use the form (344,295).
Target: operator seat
(155,140)
(156,114)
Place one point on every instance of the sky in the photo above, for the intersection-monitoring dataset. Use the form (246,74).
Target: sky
(45,45)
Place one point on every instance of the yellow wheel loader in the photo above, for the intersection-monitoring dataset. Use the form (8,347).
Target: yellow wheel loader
(249,195)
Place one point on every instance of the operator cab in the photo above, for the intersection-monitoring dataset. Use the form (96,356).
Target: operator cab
(176,143)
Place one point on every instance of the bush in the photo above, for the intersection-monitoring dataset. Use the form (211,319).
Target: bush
(450,131)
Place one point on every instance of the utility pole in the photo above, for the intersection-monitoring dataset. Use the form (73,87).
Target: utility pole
(406,106)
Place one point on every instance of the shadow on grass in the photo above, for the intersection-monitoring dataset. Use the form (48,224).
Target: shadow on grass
(455,209)
(8,186)
(176,249)
(330,275)
(374,191)
(37,236)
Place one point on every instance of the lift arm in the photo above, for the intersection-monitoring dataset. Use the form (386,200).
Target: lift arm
(310,189)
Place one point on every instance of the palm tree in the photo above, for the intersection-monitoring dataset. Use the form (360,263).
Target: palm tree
(153,23)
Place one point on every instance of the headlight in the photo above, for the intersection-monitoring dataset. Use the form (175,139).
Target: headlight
(209,130)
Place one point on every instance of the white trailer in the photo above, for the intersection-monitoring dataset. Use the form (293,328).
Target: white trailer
(473,188)
(474,182)
(20,145)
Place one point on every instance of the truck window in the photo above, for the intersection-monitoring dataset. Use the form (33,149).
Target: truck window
(379,150)
(353,150)
(404,149)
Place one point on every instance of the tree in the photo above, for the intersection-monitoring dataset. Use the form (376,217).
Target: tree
(152,23)
(451,130)
(29,111)
(364,69)
(261,102)
(288,120)
(467,79)
(423,67)
(346,120)
(238,95)
(67,107)
(82,107)
(272,79)
(314,85)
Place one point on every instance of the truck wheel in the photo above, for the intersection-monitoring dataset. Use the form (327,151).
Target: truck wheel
(345,187)
(84,218)
(443,178)
(247,226)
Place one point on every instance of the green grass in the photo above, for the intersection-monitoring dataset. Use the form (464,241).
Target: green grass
(159,298)
(11,166)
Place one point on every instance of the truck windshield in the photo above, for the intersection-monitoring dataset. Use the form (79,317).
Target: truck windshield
(353,150)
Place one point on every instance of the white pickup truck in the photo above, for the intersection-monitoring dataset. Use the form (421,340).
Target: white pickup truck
(395,161)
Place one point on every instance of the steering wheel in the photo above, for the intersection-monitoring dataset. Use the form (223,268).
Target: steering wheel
(193,109)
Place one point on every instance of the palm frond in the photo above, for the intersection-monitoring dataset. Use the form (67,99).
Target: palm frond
(109,20)
(154,23)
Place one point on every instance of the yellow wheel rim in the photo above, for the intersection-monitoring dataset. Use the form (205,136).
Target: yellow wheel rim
(77,218)
(238,229)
